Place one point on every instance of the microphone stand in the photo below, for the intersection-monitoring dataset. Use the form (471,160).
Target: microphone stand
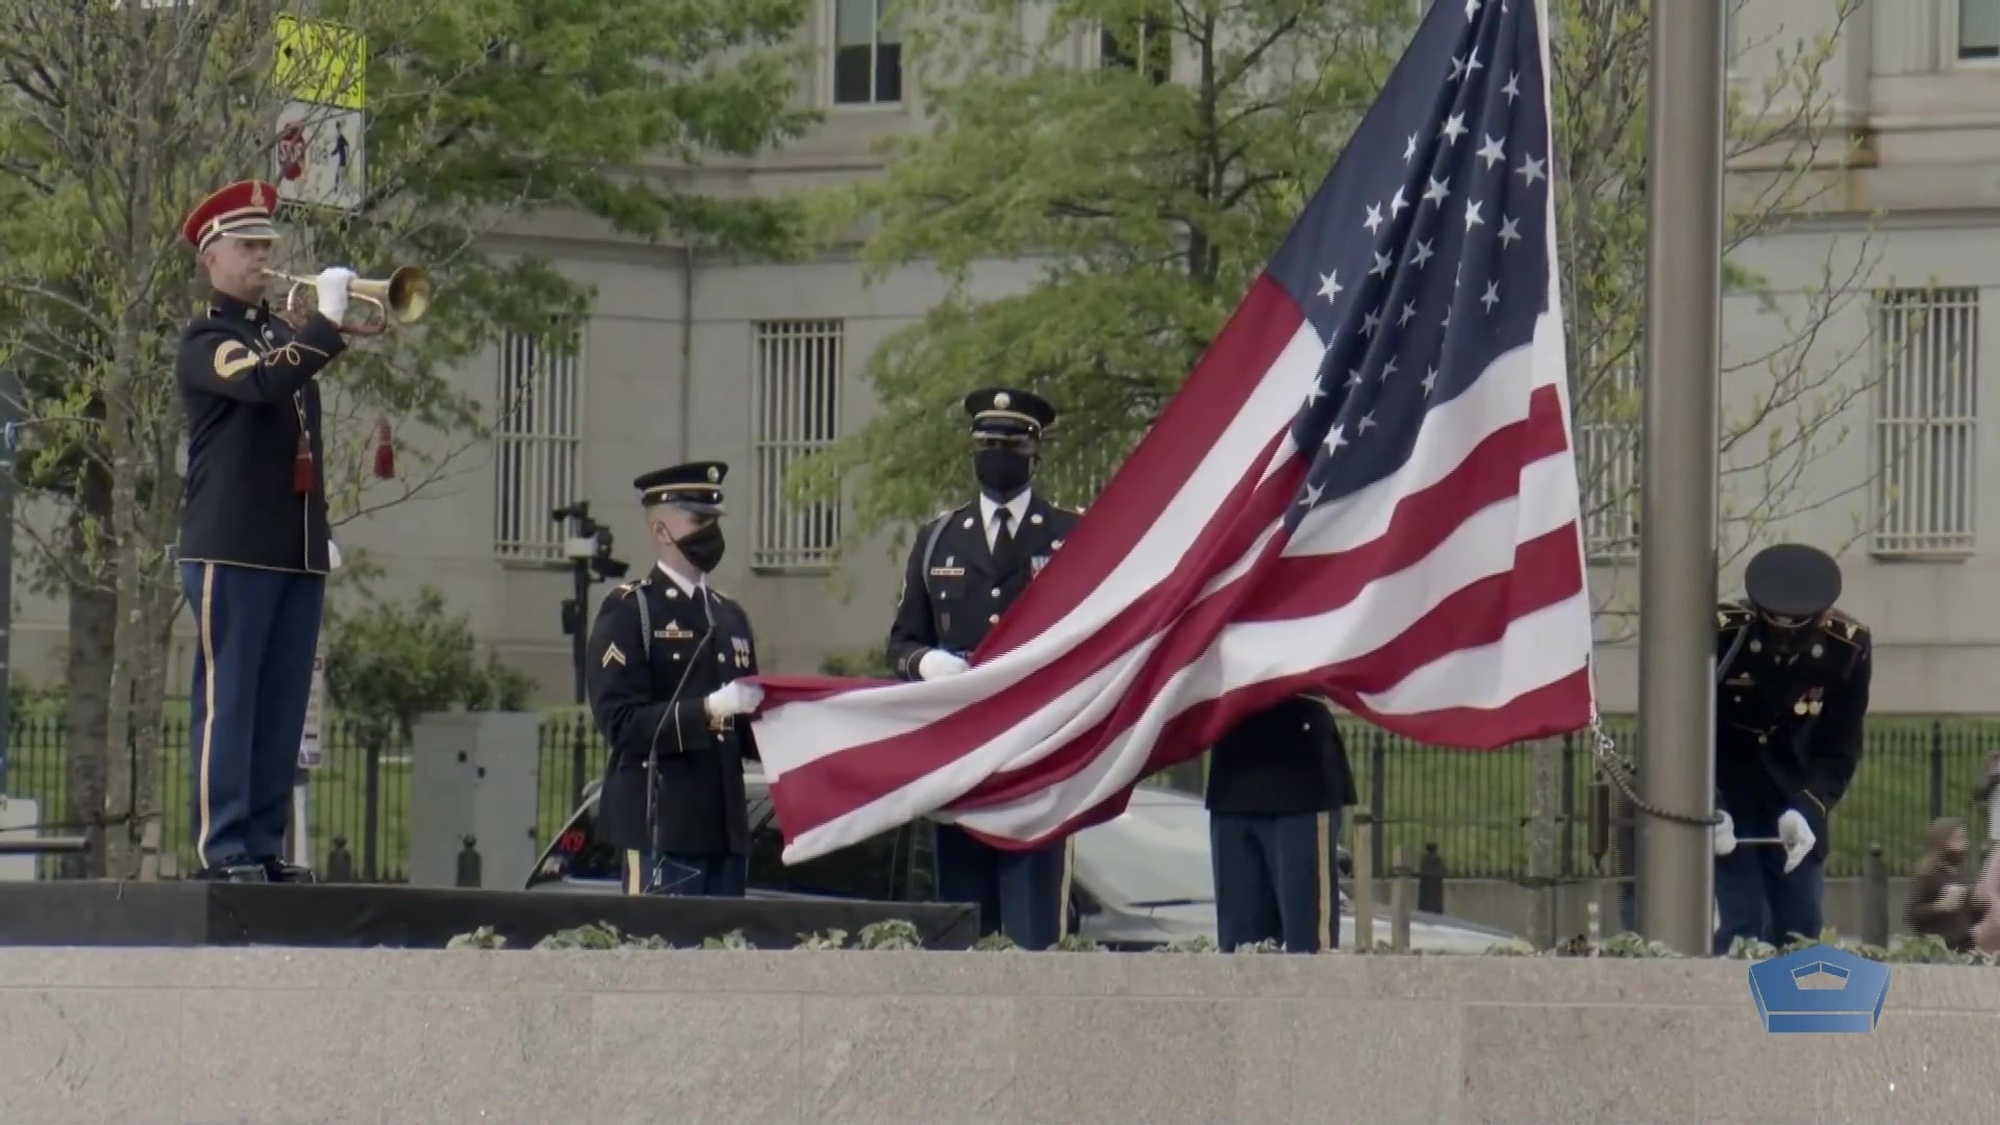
(653,751)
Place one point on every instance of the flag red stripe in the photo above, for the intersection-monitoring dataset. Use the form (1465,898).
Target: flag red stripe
(820,791)
(1196,418)
(1547,569)
(1545,712)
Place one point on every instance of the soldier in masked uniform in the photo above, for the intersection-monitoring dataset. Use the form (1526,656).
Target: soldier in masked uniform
(966,567)
(1791,700)
(669,660)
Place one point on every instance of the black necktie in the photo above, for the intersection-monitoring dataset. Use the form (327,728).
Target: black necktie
(1006,552)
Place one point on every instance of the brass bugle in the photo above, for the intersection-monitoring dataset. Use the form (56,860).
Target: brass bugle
(403,297)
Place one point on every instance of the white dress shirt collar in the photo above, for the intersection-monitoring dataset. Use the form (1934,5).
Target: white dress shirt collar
(1017,510)
(688,586)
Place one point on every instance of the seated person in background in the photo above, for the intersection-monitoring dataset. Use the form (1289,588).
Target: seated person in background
(1941,904)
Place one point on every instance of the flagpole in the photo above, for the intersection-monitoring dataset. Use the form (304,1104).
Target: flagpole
(1679,472)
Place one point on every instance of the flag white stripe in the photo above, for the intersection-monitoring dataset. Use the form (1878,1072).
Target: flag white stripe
(1512,666)
(1479,548)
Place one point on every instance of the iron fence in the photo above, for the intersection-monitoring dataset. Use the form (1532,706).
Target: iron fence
(1476,807)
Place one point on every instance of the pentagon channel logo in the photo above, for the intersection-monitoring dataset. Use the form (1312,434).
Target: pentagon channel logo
(1822,989)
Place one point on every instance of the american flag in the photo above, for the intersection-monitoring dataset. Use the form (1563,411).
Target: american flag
(1365,489)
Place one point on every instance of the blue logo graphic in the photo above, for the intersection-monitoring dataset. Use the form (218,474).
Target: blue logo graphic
(1820,989)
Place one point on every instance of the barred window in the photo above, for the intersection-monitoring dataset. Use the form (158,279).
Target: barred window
(795,407)
(538,445)
(1607,455)
(1926,420)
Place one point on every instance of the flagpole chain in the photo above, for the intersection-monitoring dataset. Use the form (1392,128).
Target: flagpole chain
(1619,769)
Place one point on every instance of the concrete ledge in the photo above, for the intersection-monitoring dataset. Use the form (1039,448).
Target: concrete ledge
(280,1036)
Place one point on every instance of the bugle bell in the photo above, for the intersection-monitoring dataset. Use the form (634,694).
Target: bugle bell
(402,298)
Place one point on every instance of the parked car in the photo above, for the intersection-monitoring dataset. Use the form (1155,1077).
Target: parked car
(1140,881)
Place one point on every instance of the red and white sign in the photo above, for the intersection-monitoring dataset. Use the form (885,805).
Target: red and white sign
(319,156)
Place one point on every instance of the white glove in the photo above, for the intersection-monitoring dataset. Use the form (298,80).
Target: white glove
(332,555)
(1797,836)
(1725,835)
(331,287)
(937,664)
(732,699)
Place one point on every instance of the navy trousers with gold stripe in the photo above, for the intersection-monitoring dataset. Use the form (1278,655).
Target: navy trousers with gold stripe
(1275,880)
(256,633)
(685,876)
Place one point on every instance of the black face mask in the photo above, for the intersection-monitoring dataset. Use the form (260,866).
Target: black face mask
(1002,472)
(703,548)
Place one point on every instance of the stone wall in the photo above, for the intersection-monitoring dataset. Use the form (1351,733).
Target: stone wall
(434,1038)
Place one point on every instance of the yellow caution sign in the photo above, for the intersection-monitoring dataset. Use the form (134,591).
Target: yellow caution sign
(322,63)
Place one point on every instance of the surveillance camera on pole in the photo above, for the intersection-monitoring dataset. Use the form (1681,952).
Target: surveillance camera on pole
(587,548)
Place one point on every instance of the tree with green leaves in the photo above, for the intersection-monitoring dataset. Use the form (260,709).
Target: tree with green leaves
(1151,188)
(1152,181)
(390,663)
(481,113)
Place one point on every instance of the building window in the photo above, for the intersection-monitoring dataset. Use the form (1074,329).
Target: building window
(1608,459)
(1141,45)
(867,54)
(1979,29)
(795,409)
(538,445)
(1926,420)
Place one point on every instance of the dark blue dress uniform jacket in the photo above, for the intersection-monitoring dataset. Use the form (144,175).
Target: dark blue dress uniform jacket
(953,598)
(637,661)
(246,380)
(1789,735)
(1286,760)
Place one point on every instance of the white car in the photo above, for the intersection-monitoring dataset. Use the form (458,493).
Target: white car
(1140,881)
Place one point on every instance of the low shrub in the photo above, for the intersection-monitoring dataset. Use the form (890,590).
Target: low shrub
(896,934)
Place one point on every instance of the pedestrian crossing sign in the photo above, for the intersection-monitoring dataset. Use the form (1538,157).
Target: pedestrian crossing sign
(322,63)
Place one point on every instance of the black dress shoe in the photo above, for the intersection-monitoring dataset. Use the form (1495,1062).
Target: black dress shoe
(234,871)
(278,871)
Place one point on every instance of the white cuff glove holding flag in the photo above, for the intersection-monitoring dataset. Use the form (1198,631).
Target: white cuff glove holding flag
(732,699)
(1797,837)
(937,664)
(1725,835)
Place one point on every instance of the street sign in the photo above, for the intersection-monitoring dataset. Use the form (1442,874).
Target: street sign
(310,751)
(320,156)
(322,63)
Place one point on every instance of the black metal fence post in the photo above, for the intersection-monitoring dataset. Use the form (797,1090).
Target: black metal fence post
(371,811)
(1378,804)
(579,760)
(1430,880)
(469,863)
(1937,770)
(339,862)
